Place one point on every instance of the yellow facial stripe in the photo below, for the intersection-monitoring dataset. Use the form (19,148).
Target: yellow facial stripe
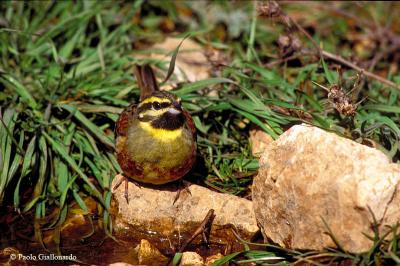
(154,99)
(161,134)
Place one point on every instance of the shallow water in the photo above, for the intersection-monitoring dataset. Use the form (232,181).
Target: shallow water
(18,237)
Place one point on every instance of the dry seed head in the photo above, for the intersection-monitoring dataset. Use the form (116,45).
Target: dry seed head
(340,100)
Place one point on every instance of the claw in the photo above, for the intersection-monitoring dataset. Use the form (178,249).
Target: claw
(126,191)
(123,179)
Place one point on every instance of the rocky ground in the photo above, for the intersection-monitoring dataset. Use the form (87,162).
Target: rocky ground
(314,190)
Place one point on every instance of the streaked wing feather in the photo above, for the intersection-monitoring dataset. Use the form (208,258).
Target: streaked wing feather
(190,123)
(125,117)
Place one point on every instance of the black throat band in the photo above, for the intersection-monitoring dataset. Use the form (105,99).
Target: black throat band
(169,121)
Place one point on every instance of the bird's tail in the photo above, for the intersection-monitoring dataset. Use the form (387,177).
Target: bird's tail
(146,80)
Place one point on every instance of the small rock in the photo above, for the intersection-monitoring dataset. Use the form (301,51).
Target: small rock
(10,256)
(152,209)
(6,252)
(149,255)
(259,141)
(211,259)
(191,259)
(309,174)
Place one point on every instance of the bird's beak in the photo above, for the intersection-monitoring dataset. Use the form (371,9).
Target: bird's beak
(175,109)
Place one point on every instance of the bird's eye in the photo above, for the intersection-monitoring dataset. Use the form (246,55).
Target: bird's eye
(156,106)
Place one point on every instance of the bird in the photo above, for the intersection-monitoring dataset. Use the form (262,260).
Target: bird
(156,138)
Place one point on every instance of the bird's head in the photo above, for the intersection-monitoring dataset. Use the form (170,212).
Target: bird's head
(162,110)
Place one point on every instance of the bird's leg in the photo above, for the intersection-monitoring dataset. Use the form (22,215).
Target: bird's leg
(122,179)
(182,185)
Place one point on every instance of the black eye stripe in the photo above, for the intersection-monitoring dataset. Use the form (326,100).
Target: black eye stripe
(151,105)
(156,105)
(145,106)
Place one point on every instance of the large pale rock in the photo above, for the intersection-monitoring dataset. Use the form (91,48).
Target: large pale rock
(259,141)
(308,175)
(151,210)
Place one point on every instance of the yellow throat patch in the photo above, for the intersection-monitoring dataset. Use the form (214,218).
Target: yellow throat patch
(161,134)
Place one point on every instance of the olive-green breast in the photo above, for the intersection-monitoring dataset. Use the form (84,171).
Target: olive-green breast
(158,152)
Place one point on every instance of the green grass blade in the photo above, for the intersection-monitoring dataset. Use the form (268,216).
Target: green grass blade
(8,122)
(80,202)
(382,108)
(250,43)
(38,190)
(198,85)
(226,259)
(29,159)
(60,149)
(20,89)
(256,121)
(328,73)
(16,162)
(95,130)
(171,67)
(177,258)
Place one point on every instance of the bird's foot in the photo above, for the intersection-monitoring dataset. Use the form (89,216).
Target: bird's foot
(182,185)
(122,178)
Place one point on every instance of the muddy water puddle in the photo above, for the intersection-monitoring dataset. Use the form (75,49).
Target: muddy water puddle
(17,241)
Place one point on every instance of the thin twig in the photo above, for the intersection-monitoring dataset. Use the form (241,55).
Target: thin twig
(378,32)
(204,228)
(335,57)
(302,30)
(312,259)
(283,60)
(343,61)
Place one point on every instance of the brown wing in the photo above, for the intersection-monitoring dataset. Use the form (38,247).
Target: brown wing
(128,166)
(125,117)
(146,81)
(190,123)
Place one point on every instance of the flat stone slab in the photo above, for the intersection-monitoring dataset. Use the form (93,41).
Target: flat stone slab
(152,209)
